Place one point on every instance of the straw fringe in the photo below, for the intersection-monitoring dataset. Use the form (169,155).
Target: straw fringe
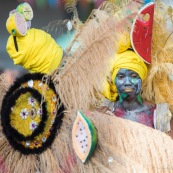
(47,162)
(82,75)
(121,9)
(4,85)
(13,161)
(123,146)
(158,85)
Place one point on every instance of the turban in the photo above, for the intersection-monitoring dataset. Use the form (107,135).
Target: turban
(37,51)
(128,60)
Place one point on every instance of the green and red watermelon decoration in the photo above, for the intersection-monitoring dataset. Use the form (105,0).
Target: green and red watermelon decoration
(84,137)
(141,32)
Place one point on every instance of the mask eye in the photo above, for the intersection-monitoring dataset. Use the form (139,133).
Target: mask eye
(134,76)
(120,76)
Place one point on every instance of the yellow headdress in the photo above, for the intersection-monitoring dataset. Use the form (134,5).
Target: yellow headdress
(37,51)
(129,60)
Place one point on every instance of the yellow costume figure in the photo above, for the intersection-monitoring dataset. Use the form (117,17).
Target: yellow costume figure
(129,60)
(36,51)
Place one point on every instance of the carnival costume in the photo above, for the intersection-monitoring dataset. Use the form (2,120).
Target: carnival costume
(47,137)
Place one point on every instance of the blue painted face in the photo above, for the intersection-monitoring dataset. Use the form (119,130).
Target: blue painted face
(128,83)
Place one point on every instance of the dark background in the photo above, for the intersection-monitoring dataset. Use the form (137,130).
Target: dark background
(43,15)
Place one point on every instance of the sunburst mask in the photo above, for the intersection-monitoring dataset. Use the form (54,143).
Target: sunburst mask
(30,116)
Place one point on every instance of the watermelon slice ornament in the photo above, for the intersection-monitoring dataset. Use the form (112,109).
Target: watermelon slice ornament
(84,137)
(141,32)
